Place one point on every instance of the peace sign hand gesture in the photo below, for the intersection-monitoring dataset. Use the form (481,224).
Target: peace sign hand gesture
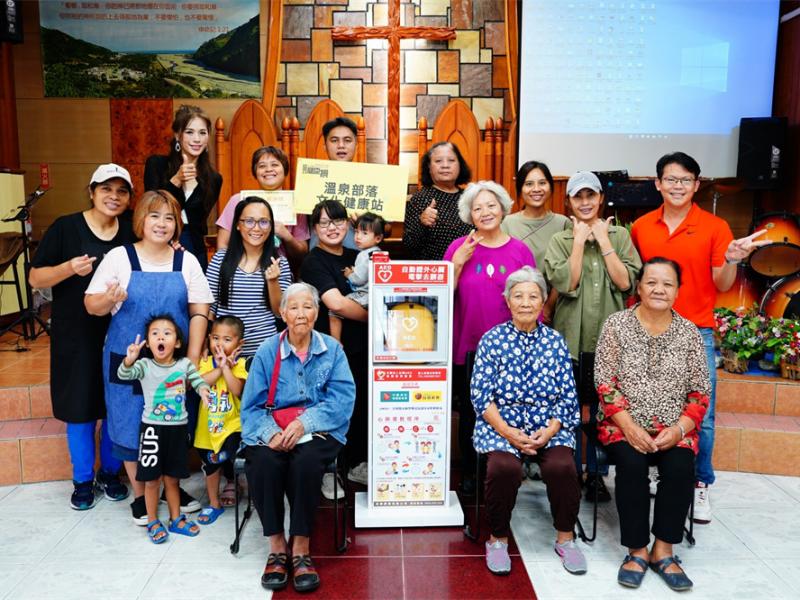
(133,350)
(740,249)
(467,248)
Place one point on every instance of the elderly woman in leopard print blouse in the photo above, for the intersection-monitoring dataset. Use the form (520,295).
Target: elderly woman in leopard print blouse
(653,384)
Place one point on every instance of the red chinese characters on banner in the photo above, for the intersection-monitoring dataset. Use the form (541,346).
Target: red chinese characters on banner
(389,273)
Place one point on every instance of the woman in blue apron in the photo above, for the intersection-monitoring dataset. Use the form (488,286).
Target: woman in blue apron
(133,283)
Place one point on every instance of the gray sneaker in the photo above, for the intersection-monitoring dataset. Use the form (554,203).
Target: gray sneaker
(571,557)
(497,558)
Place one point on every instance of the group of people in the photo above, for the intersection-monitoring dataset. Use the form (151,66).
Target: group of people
(264,347)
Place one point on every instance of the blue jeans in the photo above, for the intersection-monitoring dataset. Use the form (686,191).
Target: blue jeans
(81,442)
(704,471)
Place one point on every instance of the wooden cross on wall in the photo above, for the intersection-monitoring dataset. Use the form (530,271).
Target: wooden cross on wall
(394,33)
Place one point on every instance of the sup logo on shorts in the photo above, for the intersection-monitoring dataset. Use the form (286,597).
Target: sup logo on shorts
(148,447)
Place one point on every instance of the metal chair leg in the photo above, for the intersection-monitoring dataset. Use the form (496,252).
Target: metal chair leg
(341,546)
(469,533)
(248,511)
(689,533)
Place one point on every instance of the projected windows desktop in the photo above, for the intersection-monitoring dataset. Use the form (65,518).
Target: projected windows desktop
(613,85)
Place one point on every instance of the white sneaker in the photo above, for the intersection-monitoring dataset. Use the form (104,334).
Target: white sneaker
(328,487)
(359,474)
(653,481)
(702,504)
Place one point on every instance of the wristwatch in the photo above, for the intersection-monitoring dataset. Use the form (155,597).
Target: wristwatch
(732,262)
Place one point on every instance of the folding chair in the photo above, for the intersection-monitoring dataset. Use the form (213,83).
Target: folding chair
(340,544)
(587,394)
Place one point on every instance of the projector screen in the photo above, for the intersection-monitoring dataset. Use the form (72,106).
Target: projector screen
(608,85)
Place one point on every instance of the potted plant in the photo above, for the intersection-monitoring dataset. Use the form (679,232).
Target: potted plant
(742,336)
(784,341)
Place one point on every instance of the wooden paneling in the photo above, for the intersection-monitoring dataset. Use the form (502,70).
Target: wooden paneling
(9,144)
(28,78)
(68,193)
(62,130)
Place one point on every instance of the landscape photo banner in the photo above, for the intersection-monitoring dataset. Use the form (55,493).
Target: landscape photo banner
(361,187)
(151,49)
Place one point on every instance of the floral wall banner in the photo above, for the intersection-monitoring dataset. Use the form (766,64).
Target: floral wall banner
(151,49)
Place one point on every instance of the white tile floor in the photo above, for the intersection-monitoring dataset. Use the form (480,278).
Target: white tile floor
(749,551)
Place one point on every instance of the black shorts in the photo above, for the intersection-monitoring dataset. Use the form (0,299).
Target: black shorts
(229,446)
(163,450)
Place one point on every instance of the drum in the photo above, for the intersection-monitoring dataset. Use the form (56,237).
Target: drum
(746,291)
(783,298)
(782,256)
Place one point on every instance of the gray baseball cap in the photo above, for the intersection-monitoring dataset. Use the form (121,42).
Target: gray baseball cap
(581,180)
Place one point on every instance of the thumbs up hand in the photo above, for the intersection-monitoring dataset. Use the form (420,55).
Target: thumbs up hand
(429,215)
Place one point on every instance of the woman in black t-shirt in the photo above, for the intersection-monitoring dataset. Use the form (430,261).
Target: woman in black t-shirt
(432,221)
(66,258)
(322,268)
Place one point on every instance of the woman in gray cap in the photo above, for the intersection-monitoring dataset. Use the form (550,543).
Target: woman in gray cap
(593,266)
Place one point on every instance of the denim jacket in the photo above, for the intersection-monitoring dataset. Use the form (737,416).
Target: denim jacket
(323,385)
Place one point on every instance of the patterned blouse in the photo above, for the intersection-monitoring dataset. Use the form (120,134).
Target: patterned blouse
(657,379)
(529,378)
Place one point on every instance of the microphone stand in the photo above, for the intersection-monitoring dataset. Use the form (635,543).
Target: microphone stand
(28,318)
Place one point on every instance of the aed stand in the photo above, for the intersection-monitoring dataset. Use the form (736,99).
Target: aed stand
(410,366)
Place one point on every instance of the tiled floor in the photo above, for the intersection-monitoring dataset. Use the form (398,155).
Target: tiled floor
(50,551)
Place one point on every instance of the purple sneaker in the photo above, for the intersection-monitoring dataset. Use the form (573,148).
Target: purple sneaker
(497,558)
(571,557)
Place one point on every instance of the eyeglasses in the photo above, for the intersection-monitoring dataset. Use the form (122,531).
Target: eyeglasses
(673,181)
(325,223)
(250,222)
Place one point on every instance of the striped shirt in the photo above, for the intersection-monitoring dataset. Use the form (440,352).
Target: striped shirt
(246,301)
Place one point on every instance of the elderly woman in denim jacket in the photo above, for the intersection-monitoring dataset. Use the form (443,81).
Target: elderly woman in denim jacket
(312,374)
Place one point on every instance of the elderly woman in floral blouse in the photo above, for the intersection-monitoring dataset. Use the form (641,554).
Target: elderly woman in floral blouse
(523,392)
(652,379)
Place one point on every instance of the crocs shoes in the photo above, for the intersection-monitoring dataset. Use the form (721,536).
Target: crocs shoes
(83,496)
(571,557)
(497,559)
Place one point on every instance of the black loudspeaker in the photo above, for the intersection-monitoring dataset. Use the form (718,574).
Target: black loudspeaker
(11,21)
(762,142)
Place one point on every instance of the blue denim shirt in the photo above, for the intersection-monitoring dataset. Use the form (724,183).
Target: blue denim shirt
(323,385)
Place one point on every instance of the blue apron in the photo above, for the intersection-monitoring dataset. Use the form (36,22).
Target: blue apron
(149,294)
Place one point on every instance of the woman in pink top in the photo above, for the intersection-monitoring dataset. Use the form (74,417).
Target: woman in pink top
(483,260)
(269,166)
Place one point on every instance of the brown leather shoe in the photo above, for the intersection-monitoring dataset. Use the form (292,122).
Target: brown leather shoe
(304,576)
(276,572)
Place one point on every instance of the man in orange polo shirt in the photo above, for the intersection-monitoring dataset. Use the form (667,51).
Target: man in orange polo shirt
(703,245)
